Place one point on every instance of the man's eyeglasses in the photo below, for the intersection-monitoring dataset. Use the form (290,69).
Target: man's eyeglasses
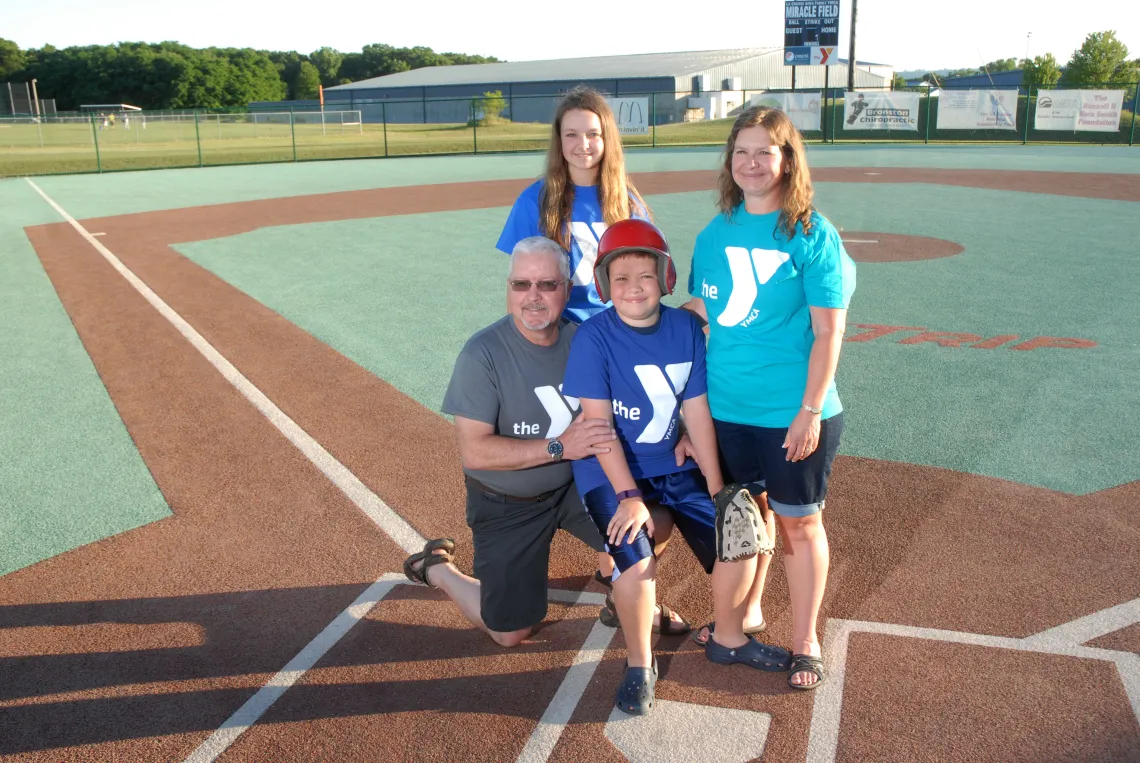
(523,285)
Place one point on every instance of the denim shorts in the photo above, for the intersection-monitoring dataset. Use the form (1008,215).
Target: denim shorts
(755,458)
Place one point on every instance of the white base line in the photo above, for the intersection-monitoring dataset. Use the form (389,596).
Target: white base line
(249,713)
(392,524)
(823,737)
(550,727)
(389,521)
(860,240)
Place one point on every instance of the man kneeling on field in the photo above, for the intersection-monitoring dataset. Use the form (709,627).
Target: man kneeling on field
(516,440)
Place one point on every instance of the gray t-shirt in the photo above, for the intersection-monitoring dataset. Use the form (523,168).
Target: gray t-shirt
(503,379)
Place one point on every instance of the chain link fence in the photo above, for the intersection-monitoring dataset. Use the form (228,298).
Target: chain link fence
(51,143)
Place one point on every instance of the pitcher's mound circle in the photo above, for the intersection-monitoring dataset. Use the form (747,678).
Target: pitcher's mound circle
(894,247)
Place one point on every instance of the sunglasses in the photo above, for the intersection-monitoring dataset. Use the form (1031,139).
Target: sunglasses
(524,285)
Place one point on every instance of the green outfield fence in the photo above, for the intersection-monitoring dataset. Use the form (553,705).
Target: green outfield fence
(284,132)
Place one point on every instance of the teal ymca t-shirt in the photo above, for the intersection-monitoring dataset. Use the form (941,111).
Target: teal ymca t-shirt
(757,286)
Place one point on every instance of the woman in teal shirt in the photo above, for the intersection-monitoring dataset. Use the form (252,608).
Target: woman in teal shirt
(772,279)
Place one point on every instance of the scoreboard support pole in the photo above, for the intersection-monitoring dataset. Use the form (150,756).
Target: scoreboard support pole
(851,53)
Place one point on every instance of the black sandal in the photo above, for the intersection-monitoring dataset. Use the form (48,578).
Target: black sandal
(429,559)
(696,637)
(805,663)
(666,626)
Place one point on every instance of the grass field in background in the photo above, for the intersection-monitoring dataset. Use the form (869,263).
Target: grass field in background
(29,149)
(35,149)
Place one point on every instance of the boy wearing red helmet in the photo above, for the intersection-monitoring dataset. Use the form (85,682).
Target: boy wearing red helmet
(641,364)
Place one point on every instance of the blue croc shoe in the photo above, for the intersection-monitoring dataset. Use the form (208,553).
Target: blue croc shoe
(753,654)
(635,695)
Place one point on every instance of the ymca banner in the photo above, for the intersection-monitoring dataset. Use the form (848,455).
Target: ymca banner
(632,115)
(977,110)
(802,108)
(1079,110)
(892,110)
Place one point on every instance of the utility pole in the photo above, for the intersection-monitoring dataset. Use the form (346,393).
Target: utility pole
(35,98)
(851,48)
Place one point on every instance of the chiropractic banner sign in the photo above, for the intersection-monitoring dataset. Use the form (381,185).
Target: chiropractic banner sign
(1079,110)
(632,115)
(977,110)
(802,108)
(880,111)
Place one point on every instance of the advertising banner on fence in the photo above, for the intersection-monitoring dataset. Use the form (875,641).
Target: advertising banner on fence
(632,115)
(977,110)
(880,111)
(811,32)
(1079,110)
(802,108)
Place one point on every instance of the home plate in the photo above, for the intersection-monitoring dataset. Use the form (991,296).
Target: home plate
(681,731)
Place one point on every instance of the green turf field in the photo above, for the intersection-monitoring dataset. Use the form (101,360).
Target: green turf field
(1031,416)
(1034,265)
(71,474)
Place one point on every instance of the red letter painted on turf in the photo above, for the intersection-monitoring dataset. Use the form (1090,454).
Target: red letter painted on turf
(1062,342)
(994,342)
(875,330)
(942,338)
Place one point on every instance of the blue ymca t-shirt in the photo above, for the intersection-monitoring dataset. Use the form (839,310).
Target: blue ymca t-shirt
(645,374)
(587,224)
(757,287)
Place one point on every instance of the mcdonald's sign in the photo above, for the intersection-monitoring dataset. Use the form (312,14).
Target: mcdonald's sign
(631,114)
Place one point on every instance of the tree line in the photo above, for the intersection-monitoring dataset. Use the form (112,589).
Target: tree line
(1101,60)
(168,75)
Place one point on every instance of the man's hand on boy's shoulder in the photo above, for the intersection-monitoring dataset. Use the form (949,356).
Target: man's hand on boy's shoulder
(586,437)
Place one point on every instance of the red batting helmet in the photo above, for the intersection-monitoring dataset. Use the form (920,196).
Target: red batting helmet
(629,236)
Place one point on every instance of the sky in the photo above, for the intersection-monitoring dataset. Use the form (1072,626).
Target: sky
(901,33)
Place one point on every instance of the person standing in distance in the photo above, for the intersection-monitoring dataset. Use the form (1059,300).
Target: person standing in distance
(771,278)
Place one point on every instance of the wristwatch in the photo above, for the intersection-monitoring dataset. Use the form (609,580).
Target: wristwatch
(816,411)
(554,448)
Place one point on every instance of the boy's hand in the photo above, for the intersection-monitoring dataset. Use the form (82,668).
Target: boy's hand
(586,437)
(632,513)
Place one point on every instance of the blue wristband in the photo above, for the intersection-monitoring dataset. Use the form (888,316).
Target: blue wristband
(635,493)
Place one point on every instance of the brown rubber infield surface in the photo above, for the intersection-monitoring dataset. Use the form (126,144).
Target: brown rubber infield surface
(141,645)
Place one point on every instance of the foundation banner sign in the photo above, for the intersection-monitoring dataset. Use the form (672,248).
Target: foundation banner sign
(632,115)
(811,32)
(977,110)
(891,110)
(1079,110)
(802,108)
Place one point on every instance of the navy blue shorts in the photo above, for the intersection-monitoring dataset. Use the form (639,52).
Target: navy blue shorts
(684,494)
(755,458)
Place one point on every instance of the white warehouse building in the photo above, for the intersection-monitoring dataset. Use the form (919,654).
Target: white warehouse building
(718,81)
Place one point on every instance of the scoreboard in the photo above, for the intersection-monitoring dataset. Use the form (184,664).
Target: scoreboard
(811,32)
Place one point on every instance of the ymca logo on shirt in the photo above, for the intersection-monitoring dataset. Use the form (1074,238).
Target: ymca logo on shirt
(747,269)
(662,393)
(586,235)
(558,407)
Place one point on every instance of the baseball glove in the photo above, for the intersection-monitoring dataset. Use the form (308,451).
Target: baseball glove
(740,528)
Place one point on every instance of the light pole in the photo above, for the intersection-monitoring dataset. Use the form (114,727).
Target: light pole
(1027,36)
(35,99)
